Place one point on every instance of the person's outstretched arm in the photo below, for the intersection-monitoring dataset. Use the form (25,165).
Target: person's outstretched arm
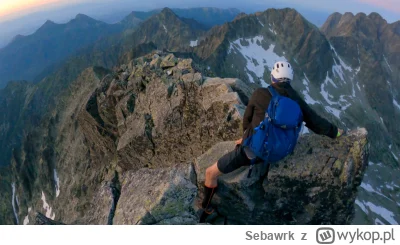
(315,122)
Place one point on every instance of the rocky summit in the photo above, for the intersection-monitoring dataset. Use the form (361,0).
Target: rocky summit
(75,145)
(130,146)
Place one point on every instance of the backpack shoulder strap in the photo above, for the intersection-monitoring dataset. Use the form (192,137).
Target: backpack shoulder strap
(272,91)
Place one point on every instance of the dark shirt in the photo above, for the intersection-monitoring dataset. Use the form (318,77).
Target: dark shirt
(260,100)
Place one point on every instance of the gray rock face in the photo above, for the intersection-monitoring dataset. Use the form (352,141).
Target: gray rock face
(316,185)
(159,133)
(159,118)
(161,196)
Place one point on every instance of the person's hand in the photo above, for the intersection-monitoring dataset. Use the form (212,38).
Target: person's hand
(238,142)
(340,133)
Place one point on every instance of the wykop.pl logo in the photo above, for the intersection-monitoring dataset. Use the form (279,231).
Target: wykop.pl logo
(325,235)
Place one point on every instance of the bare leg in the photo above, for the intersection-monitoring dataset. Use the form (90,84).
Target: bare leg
(212,174)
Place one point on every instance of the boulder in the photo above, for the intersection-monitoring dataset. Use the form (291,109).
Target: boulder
(317,184)
(156,62)
(168,62)
(192,77)
(124,76)
(158,196)
(185,65)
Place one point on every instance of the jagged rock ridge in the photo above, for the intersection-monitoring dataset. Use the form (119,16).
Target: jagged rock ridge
(147,122)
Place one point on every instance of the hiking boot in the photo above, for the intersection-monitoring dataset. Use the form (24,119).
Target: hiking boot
(208,215)
(206,208)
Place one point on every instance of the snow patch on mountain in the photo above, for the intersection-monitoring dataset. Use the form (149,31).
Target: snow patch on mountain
(362,206)
(47,208)
(324,92)
(334,111)
(260,22)
(194,43)
(353,90)
(395,157)
(357,71)
(271,28)
(306,92)
(342,63)
(165,29)
(344,103)
(257,57)
(13,203)
(337,70)
(57,180)
(308,98)
(367,187)
(358,86)
(359,62)
(387,63)
(396,104)
(26,219)
(383,212)
(304,129)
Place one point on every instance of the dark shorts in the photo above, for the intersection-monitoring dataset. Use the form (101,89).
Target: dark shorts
(233,160)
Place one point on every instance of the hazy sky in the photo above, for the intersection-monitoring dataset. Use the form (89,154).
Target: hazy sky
(26,16)
(390,9)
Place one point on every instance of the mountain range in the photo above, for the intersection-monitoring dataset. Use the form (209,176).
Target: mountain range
(348,71)
(52,43)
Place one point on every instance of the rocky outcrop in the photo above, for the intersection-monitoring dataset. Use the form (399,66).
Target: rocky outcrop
(317,184)
(41,219)
(158,196)
(141,115)
(164,113)
(131,147)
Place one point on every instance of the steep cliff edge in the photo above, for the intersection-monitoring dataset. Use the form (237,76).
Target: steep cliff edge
(143,134)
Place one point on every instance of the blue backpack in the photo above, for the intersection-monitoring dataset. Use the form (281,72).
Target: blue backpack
(277,135)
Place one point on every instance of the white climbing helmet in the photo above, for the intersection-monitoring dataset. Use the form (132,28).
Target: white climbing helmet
(282,72)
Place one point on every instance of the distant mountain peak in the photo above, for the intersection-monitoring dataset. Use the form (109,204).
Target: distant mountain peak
(240,15)
(336,14)
(82,16)
(17,37)
(348,14)
(84,19)
(49,23)
(360,15)
(167,11)
(167,14)
(377,18)
(375,15)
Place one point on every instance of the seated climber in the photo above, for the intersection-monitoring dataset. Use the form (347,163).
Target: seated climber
(281,77)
